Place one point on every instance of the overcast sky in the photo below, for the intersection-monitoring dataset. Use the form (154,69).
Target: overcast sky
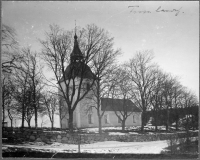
(173,36)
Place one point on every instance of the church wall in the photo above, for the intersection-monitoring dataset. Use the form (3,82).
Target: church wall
(77,118)
(80,115)
(85,104)
(113,120)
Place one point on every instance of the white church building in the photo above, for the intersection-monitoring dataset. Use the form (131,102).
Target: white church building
(85,113)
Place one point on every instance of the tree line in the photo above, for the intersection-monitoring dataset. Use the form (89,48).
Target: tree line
(24,94)
(181,118)
(27,92)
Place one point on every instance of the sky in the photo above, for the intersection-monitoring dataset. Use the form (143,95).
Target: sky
(170,29)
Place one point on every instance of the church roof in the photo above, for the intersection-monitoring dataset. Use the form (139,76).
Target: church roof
(109,104)
(78,69)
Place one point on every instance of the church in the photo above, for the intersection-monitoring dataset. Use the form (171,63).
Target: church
(85,113)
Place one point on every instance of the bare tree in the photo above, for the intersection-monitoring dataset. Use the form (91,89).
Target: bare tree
(102,63)
(56,53)
(141,72)
(9,48)
(168,95)
(11,110)
(31,66)
(43,120)
(22,101)
(188,100)
(28,81)
(156,97)
(63,111)
(122,92)
(20,80)
(7,90)
(51,104)
(10,117)
(177,91)
(9,57)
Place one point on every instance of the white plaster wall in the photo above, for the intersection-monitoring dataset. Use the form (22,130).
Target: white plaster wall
(77,116)
(80,119)
(112,119)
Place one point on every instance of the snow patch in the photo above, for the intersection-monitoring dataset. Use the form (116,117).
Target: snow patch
(154,147)
(133,133)
(117,133)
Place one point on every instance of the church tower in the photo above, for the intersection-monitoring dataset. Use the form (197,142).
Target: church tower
(76,71)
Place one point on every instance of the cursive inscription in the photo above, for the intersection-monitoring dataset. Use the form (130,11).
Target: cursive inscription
(159,9)
(135,9)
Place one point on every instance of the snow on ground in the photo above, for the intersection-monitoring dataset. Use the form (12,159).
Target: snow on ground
(90,130)
(54,131)
(147,127)
(154,147)
(127,147)
(117,133)
(133,133)
(129,130)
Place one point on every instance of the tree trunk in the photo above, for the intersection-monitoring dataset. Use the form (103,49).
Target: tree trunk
(123,125)
(11,122)
(60,113)
(36,124)
(143,113)
(143,121)
(98,105)
(10,117)
(34,102)
(3,106)
(70,122)
(29,123)
(187,131)
(52,125)
(23,114)
(155,121)
(167,121)
(100,125)
(52,122)
(60,123)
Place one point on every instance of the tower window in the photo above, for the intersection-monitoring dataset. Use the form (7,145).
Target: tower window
(106,118)
(90,118)
(90,109)
(133,119)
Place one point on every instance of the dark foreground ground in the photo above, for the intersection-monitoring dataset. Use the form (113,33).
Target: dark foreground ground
(17,152)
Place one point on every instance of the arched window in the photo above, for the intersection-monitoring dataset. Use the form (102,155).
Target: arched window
(106,119)
(133,118)
(90,118)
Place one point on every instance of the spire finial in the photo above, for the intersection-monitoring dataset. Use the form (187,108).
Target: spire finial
(75,26)
(75,36)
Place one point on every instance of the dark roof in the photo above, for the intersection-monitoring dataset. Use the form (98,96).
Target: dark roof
(78,69)
(76,52)
(109,104)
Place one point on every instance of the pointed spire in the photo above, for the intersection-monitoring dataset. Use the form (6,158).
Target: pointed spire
(75,36)
(76,53)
